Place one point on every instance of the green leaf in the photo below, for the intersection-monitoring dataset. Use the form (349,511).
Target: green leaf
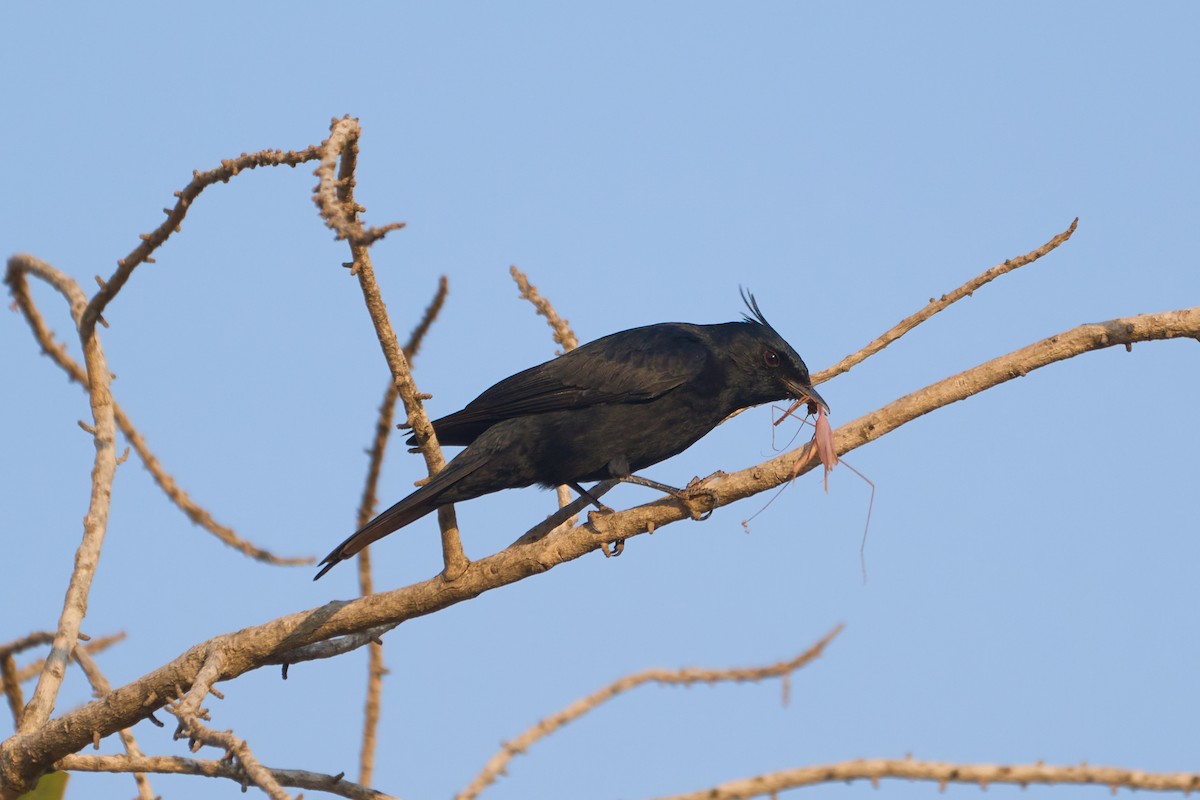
(52,786)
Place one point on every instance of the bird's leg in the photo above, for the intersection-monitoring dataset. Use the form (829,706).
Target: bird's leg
(582,492)
(685,496)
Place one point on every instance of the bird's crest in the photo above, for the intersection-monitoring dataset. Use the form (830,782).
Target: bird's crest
(755,314)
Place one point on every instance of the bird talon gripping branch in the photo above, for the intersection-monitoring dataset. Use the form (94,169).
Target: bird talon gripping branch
(604,411)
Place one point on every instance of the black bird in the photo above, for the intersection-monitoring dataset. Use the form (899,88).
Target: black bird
(604,410)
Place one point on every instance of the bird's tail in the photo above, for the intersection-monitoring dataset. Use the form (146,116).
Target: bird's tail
(410,509)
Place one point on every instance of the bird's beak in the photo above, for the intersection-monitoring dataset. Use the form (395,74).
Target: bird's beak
(802,392)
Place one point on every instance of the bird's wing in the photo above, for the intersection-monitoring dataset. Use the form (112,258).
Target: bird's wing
(632,366)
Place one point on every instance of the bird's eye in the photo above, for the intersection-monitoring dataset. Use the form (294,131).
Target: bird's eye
(771,358)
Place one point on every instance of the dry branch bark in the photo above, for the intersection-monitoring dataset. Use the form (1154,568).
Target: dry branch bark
(334,197)
(943,774)
(174,765)
(498,764)
(366,510)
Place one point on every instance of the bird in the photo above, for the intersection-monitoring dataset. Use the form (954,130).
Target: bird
(604,410)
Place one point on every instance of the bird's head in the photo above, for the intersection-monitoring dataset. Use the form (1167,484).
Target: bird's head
(772,369)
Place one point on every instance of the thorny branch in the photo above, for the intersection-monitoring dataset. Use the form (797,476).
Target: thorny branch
(498,764)
(567,341)
(152,241)
(95,523)
(983,775)
(197,514)
(96,378)
(366,510)
(334,197)
(934,306)
(562,328)
(189,711)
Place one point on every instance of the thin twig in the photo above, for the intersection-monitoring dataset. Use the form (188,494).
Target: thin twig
(229,168)
(189,711)
(334,197)
(26,642)
(934,306)
(12,687)
(384,423)
(172,765)
(93,647)
(562,328)
(567,341)
(498,764)
(101,687)
(982,775)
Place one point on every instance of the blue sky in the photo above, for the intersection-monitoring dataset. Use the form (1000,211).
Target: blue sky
(1031,555)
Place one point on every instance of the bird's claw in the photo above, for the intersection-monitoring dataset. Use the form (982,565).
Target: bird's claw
(602,510)
(618,547)
(699,500)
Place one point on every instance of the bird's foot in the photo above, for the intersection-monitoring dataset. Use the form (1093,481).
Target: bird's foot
(618,547)
(699,500)
(597,516)
(601,508)
(591,498)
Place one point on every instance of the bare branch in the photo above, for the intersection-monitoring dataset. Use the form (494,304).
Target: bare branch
(562,328)
(197,514)
(27,642)
(299,779)
(568,341)
(498,764)
(335,199)
(12,687)
(908,323)
(189,711)
(152,241)
(384,423)
(101,687)
(944,774)
(417,337)
(94,647)
(103,471)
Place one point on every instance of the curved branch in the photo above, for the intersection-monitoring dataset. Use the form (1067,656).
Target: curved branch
(498,764)
(198,515)
(945,301)
(104,468)
(229,168)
